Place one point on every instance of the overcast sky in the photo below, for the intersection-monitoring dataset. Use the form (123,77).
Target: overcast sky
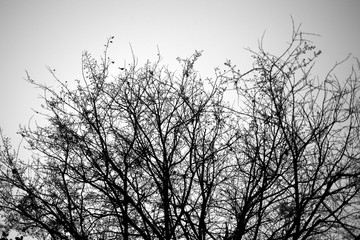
(39,33)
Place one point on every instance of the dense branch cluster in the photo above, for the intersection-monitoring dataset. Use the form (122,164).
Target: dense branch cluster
(155,154)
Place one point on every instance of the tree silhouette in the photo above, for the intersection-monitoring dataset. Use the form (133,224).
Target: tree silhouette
(155,154)
(300,152)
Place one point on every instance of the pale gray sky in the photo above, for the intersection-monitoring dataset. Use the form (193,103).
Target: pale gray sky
(40,33)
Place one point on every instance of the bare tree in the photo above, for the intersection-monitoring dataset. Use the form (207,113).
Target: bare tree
(138,156)
(155,154)
(298,160)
